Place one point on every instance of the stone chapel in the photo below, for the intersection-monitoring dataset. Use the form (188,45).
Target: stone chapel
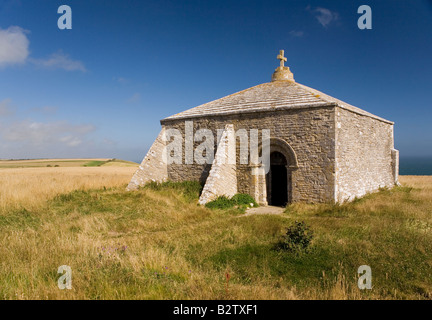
(321,149)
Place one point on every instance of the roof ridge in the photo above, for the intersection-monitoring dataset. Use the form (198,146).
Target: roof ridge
(227,96)
(268,96)
(342,104)
(235,93)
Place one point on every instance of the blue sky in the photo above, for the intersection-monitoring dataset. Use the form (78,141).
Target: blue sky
(100,89)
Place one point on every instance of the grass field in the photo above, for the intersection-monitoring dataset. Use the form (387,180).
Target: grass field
(38,163)
(156,243)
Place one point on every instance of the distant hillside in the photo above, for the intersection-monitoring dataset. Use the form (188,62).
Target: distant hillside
(34,163)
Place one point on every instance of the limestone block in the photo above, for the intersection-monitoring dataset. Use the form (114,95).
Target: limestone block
(222,179)
(153,167)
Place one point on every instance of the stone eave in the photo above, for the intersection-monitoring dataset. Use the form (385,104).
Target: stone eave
(269,109)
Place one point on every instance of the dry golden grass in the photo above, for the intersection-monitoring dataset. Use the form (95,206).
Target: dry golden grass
(35,163)
(32,187)
(178,250)
(121,164)
(38,163)
(27,161)
(424,182)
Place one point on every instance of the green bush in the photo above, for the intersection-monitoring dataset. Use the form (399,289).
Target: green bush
(221,202)
(239,200)
(297,238)
(243,199)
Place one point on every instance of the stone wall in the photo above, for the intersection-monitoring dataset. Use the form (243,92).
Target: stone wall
(222,180)
(153,167)
(340,154)
(364,148)
(310,132)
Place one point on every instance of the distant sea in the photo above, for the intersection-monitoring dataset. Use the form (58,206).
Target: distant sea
(417,166)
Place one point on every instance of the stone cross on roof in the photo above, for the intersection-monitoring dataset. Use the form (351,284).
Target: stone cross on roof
(281,58)
(282,72)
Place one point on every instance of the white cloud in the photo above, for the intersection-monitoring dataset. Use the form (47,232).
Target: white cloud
(6,108)
(297,34)
(14,46)
(323,15)
(120,80)
(60,60)
(46,110)
(46,134)
(14,49)
(109,142)
(135,98)
(28,139)
(71,141)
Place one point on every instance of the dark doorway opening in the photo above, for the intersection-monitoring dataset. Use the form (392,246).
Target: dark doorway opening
(278,180)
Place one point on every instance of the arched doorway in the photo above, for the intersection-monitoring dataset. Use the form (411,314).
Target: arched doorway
(276,185)
(277,188)
(279,178)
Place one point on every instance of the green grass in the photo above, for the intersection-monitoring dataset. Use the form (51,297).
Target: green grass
(94,163)
(191,190)
(111,162)
(239,201)
(36,163)
(157,243)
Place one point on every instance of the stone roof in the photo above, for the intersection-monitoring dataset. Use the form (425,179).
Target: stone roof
(283,93)
(271,96)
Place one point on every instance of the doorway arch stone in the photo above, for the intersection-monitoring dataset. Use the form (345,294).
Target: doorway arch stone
(279,179)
